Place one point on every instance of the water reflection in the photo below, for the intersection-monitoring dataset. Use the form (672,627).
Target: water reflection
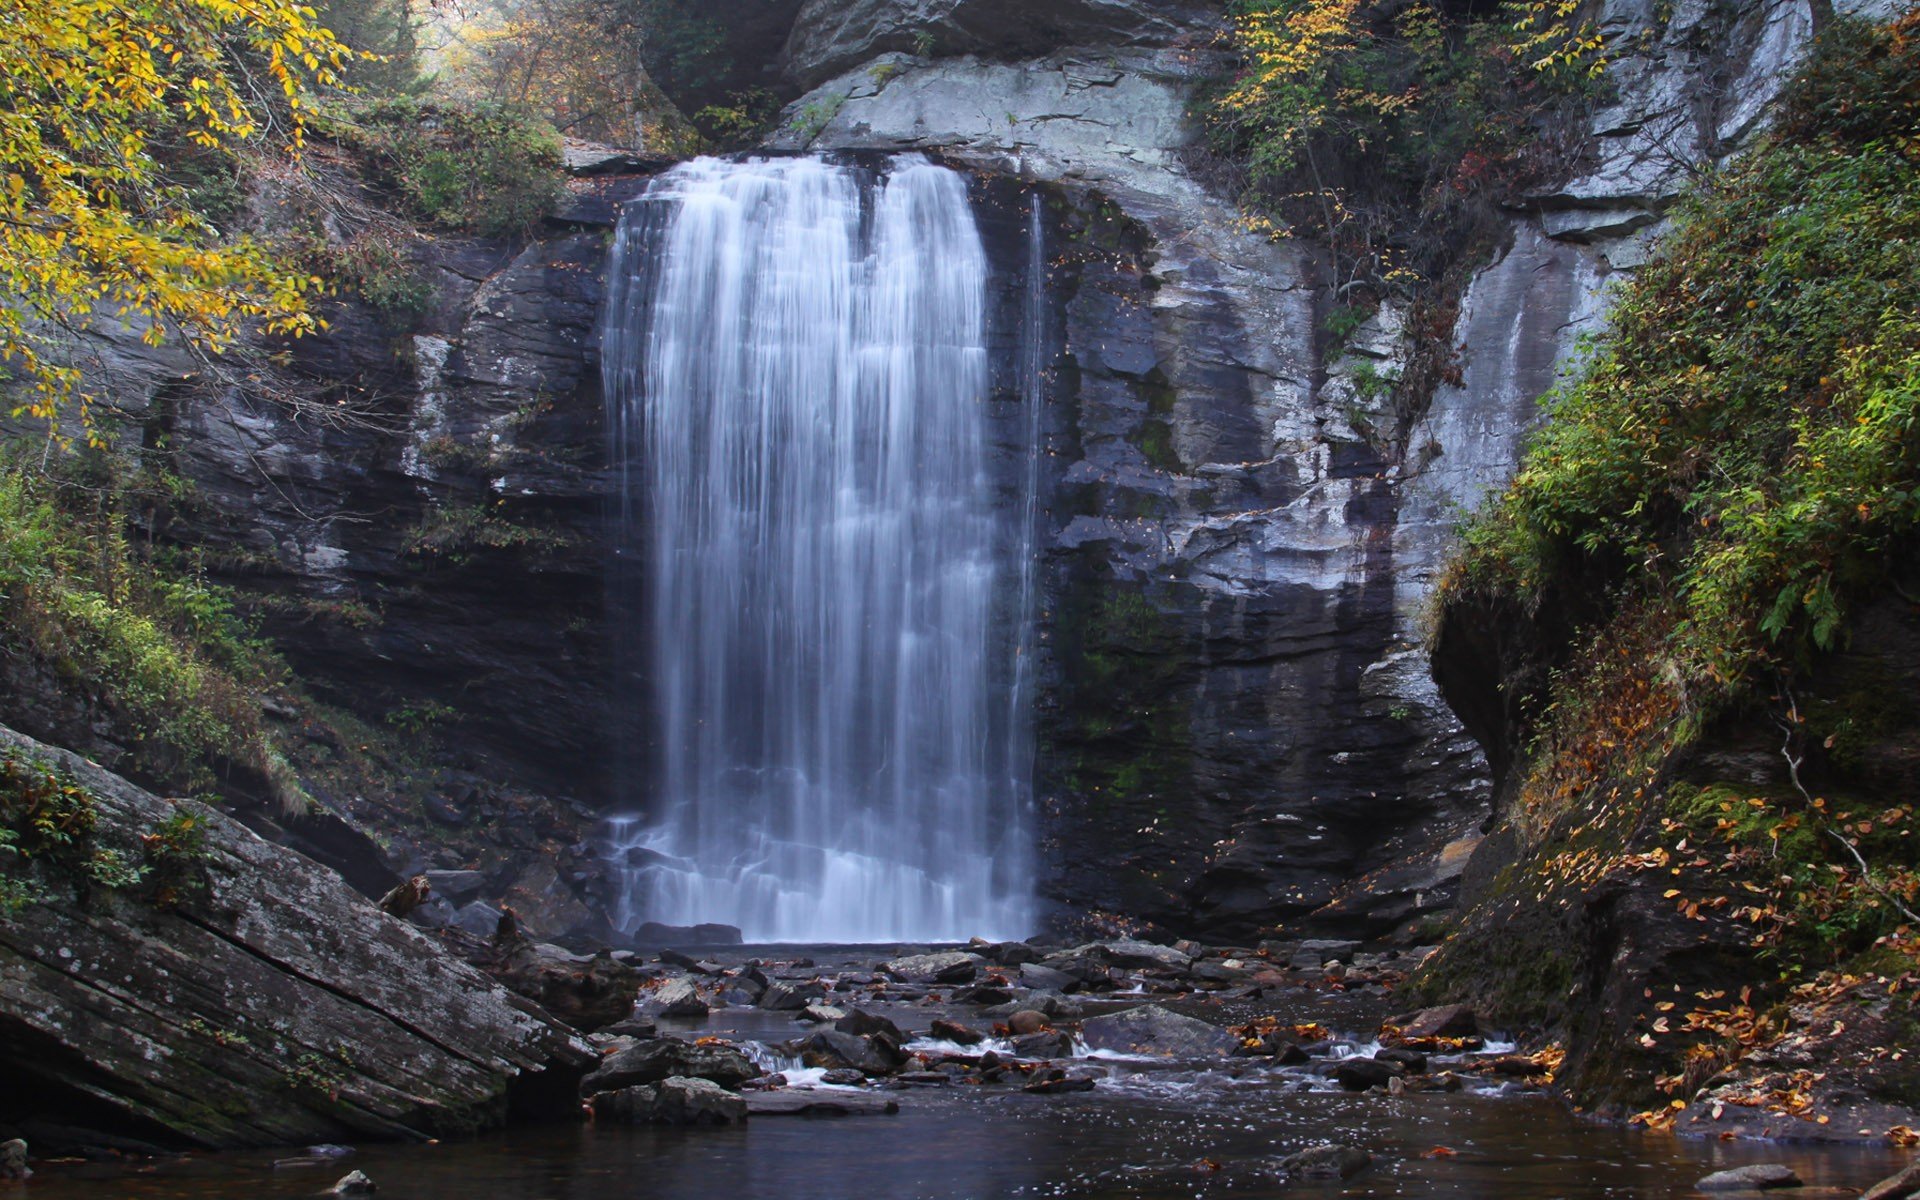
(1217,1136)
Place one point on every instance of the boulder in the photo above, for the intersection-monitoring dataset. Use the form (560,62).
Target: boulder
(666,1058)
(457,886)
(1326,1162)
(1414,1062)
(1011,954)
(587,992)
(1359,1074)
(1041,977)
(834,1050)
(1316,953)
(13,1160)
(1145,954)
(862,1023)
(1448,1020)
(823,1014)
(310,1015)
(1758,1177)
(1050,1044)
(953,966)
(1904,1186)
(678,997)
(818,1103)
(1028,1021)
(953,1031)
(788,997)
(479,920)
(1159,1032)
(636,1027)
(355,1183)
(676,1100)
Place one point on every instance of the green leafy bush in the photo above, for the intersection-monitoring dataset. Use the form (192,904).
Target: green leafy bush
(1380,129)
(1740,449)
(486,169)
(159,648)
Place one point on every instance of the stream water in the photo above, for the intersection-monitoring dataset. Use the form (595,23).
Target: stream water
(1150,1130)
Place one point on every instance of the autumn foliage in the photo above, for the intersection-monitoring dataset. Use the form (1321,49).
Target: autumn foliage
(91,224)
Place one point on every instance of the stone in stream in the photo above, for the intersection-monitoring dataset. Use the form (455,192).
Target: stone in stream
(809,1104)
(953,966)
(822,1014)
(1049,1044)
(478,919)
(1359,1074)
(983,994)
(588,992)
(1904,1186)
(1448,1020)
(1142,954)
(676,1100)
(1283,1052)
(862,1023)
(353,1184)
(1314,954)
(832,1049)
(665,1058)
(1758,1177)
(1012,954)
(1414,1061)
(842,1077)
(1028,1021)
(787,997)
(688,962)
(1041,977)
(953,1031)
(457,885)
(638,1028)
(1326,1162)
(13,1159)
(678,997)
(1157,1031)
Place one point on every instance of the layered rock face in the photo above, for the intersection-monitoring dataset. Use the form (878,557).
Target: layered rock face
(242,995)
(1240,728)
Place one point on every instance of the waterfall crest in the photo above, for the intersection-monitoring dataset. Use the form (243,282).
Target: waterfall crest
(795,359)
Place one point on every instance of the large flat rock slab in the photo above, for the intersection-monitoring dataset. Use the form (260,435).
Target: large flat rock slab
(274,1006)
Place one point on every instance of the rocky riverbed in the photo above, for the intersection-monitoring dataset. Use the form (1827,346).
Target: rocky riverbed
(1110,1069)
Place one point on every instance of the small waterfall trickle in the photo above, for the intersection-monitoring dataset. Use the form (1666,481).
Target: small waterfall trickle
(795,358)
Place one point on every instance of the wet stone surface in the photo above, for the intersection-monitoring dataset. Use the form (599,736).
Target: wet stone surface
(875,1103)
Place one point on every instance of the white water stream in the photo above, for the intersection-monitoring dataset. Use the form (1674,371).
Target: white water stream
(795,359)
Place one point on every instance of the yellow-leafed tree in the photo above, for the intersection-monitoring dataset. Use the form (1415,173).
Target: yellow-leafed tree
(90,222)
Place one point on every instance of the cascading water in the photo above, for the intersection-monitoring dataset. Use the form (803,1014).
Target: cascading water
(795,359)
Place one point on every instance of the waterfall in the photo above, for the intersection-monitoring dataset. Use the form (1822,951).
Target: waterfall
(796,365)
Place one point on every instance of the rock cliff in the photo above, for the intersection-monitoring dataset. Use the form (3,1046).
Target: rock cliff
(1239,728)
(239,994)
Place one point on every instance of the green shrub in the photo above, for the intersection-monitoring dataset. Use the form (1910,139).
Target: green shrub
(1382,134)
(485,169)
(1741,445)
(158,647)
(1735,466)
